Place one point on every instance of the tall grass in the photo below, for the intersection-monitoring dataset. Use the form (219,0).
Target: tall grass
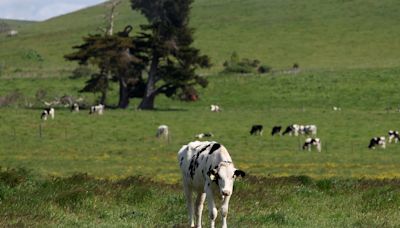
(28,199)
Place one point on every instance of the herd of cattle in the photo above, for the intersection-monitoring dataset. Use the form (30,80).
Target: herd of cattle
(293,129)
(96,109)
(296,130)
(208,170)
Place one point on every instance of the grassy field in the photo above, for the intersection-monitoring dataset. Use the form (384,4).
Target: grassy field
(111,170)
(123,142)
(83,201)
(316,34)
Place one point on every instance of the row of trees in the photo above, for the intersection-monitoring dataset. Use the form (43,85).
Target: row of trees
(158,59)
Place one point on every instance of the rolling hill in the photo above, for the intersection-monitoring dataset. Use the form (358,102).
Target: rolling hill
(317,34)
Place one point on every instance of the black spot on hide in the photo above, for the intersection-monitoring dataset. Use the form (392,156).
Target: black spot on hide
(194,163)
(215,147)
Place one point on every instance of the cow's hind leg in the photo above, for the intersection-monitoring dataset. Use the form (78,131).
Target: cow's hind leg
(201,197)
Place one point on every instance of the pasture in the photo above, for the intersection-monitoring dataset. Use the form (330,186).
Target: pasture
(123,142)
(111,170)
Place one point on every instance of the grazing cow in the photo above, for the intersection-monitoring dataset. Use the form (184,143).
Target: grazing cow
(12,33)
(393,135)
(204,135)
(377,141)
(99,109)
(215,108)
(207,169)
(310,130)
(309,142)
(162,131)
(293,129)
(334,108)
(47,112)
(256,130)
(276,130)
(75,107)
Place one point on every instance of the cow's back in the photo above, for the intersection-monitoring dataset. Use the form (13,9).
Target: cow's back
(197,158)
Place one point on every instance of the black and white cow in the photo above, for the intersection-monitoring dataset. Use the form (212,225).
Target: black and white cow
(99,109)
(75,107)
(215,108)
(46,113)
(293,129)
(208,171)
(256,130)
(162,131)
(204,135)
(393,135)
(276,130)
(309,142)
(309,130)
(377,141)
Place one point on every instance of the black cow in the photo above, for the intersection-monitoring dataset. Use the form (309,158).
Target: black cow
(256,130)
(276,130)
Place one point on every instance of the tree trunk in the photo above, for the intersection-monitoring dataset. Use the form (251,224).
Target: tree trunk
(150,93)
(123,94)
(103,97)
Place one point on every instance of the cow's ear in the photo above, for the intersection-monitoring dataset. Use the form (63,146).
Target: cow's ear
(239,173)
(212,174)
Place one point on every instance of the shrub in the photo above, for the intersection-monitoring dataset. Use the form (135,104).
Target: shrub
(244,66)
(263,69)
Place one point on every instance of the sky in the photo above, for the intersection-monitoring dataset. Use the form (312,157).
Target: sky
(39,10)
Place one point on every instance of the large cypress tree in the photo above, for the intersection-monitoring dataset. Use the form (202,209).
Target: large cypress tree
(167,39)
(117,58)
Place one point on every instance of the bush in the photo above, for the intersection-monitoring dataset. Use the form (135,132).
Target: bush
(263,69)
(244,66)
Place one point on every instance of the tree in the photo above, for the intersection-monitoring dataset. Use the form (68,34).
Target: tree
(117,58)
(167,40)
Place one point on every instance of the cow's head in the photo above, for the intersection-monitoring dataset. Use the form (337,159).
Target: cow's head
(224,175)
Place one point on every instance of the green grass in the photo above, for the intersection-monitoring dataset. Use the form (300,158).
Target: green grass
(123,143)
(348,53)
(81,200)
(316,34)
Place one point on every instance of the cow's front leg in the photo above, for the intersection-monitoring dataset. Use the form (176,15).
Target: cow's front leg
(189,204)
(224,210)
(213,212)
(201,197)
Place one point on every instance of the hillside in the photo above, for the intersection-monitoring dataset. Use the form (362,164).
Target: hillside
(314,33)
(16,24)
